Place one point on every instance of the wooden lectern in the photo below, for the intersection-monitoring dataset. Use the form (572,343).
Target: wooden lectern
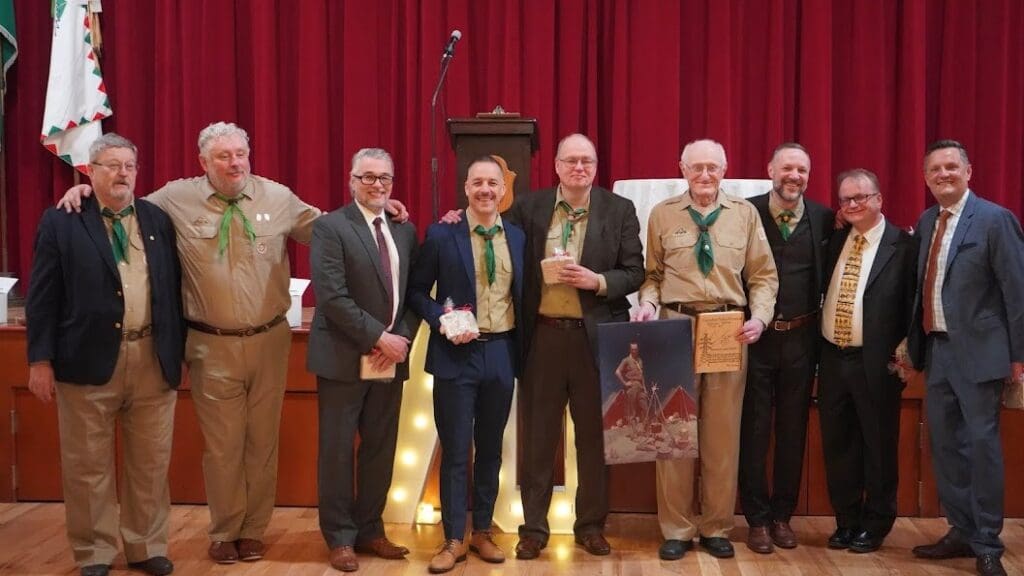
(512,138)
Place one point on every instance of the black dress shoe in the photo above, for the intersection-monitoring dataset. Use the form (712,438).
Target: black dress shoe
(989,565)
(866,541)
(156,566)
(674,549)
(717,546)
(95,570)
(947,547)
(841,538)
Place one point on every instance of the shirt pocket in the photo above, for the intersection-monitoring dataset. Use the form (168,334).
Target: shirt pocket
(269,245)
(730,246)
(201,242)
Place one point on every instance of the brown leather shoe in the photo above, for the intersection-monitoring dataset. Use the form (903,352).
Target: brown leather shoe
(452,552)
(594,543)
(482,544)
(782,535)
(343,558)
(382,547)
(759,541)
(223,552)
(250,550)
(528,548)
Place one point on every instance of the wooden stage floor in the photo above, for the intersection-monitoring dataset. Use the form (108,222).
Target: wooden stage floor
(32,542)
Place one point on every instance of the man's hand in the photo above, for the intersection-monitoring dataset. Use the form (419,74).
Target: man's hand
(397,210)
(579,277)
(452,217)
(840,221)
(644,313)
(393,347)
(1017,371)
(379,361)
(461,338)
(72,199)
(40,381)
(750,332)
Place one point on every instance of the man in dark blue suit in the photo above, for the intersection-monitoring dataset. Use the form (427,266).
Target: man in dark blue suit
(968,336)
(106,335)
(477,262)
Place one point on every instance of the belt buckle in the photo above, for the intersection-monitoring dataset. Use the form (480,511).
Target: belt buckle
(249,332)
(781,325)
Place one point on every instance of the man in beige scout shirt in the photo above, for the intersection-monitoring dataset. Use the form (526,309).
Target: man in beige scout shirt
(105,333)
(707,251)
(232,230)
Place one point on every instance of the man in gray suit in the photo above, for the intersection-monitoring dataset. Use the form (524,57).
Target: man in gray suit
(358,348)
(968,336)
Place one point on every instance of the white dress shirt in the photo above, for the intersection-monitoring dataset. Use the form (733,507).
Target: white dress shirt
(938,315)
(392,251)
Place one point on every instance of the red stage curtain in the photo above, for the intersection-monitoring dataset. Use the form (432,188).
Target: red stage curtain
(861,84)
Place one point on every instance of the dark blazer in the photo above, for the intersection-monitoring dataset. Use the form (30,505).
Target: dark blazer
(446,257)
(75,307)
(352,308)
(611,247)
(983,290)
(888,297)
(820,218)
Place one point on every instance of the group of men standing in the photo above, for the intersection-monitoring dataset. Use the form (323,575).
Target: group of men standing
(107,333)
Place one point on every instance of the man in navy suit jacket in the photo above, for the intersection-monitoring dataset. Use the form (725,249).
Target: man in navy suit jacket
(477,262)
(106,334)
(968,336)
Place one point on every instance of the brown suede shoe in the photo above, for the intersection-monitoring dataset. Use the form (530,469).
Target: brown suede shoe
(594,543)
(343,558)
(759,541)
(528,548)
(250,550)
(223,552)
(482,544)
(782,535)
(453,551)
(382,547)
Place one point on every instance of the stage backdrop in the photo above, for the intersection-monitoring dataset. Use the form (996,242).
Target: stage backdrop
(863,83)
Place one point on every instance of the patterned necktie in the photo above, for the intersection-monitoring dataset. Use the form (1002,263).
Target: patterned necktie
(120,241)
(784,219)
(843,332)
(705,256)
(225,222)
(932,271)
(572,216)
(385,262)
(488,234)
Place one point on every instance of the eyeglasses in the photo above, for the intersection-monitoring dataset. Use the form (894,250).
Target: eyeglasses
(711,169)
(587,162)
(371,179)
(116,167)
(858,199)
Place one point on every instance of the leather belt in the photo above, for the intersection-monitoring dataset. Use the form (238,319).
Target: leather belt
(491,336)
(560,323)
(240,332)
(792,323)
(691,311)
(133,335)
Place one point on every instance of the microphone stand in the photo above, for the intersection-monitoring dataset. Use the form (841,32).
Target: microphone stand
(446,59)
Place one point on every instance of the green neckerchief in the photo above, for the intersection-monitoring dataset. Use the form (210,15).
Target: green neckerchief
(225,222)
(488,234)
(572,216)
(705,256)
(785,217)
(120,242)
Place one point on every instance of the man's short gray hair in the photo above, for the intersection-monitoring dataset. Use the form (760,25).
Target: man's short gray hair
(219,130)
(375,153)
(108,141)
(703,141)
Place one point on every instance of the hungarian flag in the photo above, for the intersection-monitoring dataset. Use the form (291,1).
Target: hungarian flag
(8,52)
(76,100)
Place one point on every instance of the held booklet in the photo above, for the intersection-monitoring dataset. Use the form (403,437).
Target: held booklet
(715,348)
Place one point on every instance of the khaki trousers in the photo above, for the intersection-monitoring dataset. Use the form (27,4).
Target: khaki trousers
(137,395)
(238,388)
(720,401)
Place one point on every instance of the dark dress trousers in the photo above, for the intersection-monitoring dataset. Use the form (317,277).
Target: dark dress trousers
(858,396)
(983,304)
(473,381)
(781,366)
(75,307)
(561,365)
(352,311)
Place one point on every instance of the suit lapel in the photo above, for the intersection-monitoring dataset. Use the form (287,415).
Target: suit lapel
(93,222)
(596,218)
(463,244)
(962,226)
(886,248)
(925,239)
(355,216)
(543,212)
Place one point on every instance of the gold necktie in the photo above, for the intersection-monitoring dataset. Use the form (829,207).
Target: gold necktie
(843,332)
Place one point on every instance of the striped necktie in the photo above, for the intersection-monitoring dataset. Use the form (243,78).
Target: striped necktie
(843,332)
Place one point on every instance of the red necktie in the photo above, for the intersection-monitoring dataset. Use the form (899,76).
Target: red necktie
(932,270)
(385,263)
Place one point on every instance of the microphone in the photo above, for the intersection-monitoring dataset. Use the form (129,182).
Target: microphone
(449,49)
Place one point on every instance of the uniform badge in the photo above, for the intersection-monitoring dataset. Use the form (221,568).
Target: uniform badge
(261,248)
